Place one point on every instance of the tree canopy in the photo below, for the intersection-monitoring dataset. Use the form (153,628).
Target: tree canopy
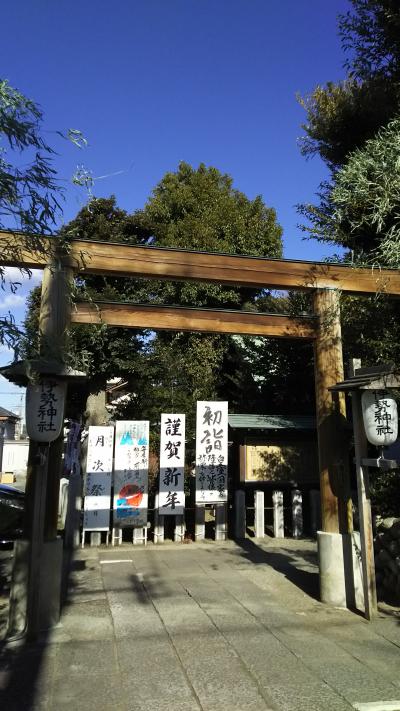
(355,127)
(342,116)
(30,192)
(193,208)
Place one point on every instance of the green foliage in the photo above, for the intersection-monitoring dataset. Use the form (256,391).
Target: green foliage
(360,208)
(28,188)
(385,492)
(355,128)
(199,209)
(371,35)
(366,197)
(100,351)
(191,208)
(342,116)
(371,329)
(30,193)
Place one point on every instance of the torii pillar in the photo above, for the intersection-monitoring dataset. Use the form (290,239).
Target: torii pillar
(333,449)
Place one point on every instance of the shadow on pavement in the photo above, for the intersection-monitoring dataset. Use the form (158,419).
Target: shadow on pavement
(25,665)
(291,564)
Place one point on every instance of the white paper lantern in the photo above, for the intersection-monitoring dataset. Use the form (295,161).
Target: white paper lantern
(380,417)
(45,409)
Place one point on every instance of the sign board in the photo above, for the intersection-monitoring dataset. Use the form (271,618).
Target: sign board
(211,452)
(45,409)
(172,463)
(99,465)
(131,469)
(380,417)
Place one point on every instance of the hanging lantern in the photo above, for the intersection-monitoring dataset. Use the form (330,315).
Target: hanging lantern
(45,409)
(380,417)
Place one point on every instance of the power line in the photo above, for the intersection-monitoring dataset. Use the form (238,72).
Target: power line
(7,395)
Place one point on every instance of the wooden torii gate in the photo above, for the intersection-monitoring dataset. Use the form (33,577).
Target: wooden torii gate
(325,280)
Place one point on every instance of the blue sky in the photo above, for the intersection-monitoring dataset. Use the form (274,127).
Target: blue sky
(153,82)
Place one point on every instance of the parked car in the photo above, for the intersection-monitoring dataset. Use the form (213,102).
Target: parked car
(12,506)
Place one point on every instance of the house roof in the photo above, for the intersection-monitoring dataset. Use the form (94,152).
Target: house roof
(271,422)
(7,414)
(379,377)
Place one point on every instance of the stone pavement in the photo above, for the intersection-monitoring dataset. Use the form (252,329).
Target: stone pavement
(206,626)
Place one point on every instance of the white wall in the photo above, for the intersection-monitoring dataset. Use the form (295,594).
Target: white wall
(15,456)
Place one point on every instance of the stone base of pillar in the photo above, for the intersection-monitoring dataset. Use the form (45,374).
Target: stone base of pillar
(50,580)
(179,530)
(200,527)
(220,522)
(17,618)
(50,583)
(340,574)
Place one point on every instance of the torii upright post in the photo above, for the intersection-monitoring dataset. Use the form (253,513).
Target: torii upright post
(44,586)
(54,321)
(336,508)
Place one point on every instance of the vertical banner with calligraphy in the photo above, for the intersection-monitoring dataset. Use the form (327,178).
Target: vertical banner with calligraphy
(172,463)
(45,409)
(99,465)
(131,472)
(211,452)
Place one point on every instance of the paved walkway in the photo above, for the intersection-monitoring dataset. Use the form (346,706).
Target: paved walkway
(212,627)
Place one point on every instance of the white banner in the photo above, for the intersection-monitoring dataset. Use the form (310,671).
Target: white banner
(131,470)
(211,452)
(99,466)
(172,462)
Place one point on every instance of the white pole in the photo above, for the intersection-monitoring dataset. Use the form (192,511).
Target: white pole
(259,523)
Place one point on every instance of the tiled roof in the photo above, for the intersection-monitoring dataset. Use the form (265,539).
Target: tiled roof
(7,413)
(271,422)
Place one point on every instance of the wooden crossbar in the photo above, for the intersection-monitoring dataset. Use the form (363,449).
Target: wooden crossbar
(116,259)
(186,319)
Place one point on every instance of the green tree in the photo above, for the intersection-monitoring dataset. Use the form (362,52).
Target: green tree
(190,208)
(30,192)
(100,351)
(342,116)
(354,126)
(199,209)
(359,207)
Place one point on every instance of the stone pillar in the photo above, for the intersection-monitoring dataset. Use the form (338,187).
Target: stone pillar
(200,526)
(277,503)
(137,536)
(95,538)
(158,522)
(221,522)
(340,574)
(72,522)
(179,531)
(259,523)
(297,513)
(240,514)
(116,536)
